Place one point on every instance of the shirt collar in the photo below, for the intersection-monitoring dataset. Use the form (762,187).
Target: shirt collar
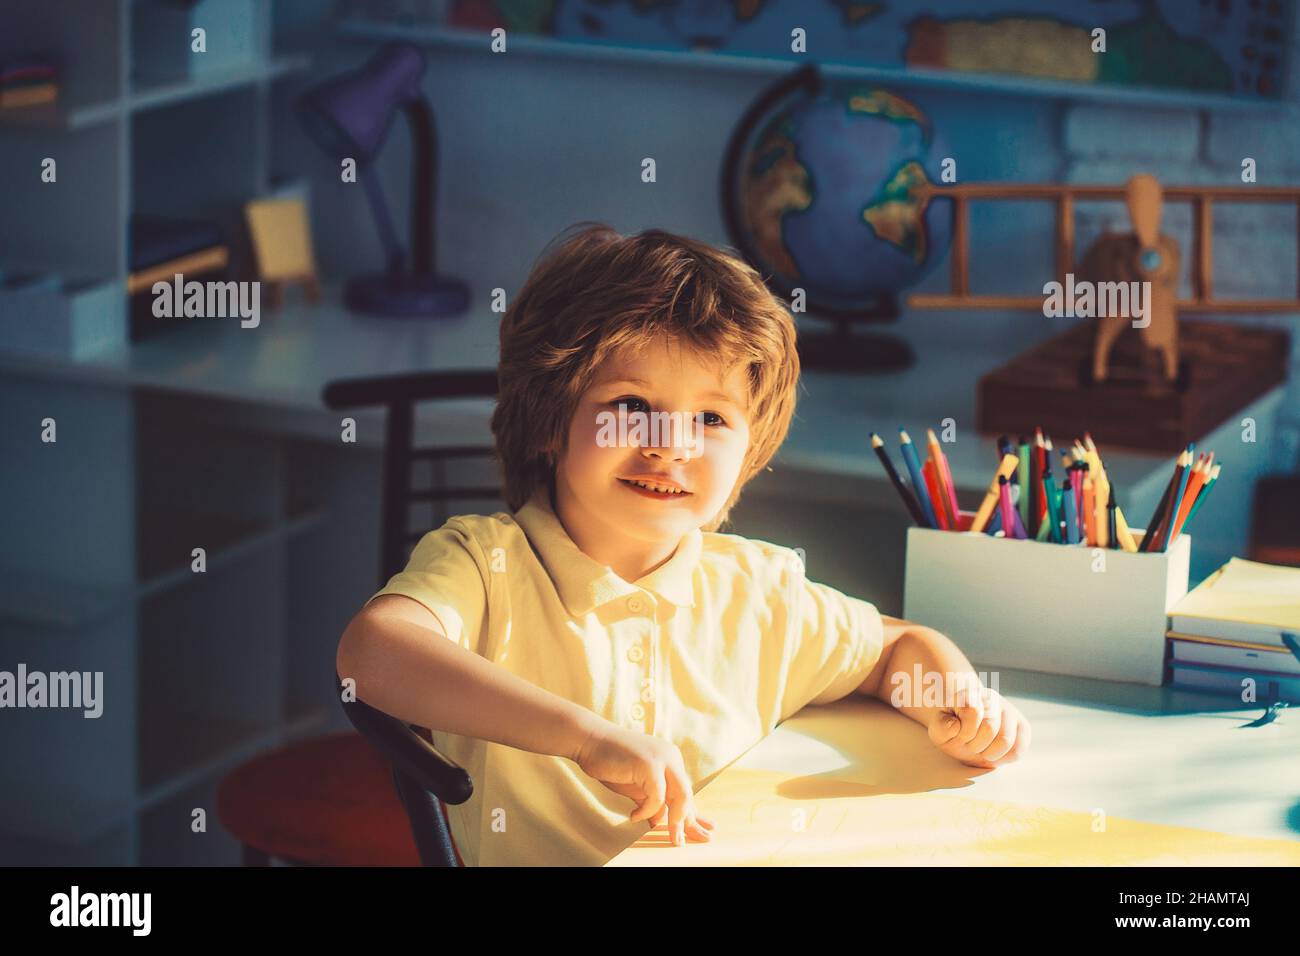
(584,583)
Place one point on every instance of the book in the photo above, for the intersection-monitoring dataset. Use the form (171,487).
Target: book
(12,97)
(1242,601)
(155,240)
(1236,654)
(1230,681)
(196,263)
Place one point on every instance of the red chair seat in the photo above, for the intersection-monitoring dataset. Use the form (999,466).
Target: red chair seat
(329,801)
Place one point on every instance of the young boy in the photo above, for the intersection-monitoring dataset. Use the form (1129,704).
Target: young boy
(595,656)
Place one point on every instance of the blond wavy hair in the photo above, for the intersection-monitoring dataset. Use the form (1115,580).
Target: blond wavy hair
(593,292)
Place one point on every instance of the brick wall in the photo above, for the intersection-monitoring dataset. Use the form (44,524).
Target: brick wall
(1255,247)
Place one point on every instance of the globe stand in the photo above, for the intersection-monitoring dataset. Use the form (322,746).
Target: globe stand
(842,351)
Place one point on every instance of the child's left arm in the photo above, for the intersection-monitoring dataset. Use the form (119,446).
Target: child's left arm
(923,674)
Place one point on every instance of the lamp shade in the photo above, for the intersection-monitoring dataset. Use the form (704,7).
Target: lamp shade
(350,115)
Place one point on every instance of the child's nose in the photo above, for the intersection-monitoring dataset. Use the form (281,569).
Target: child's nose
(680,442)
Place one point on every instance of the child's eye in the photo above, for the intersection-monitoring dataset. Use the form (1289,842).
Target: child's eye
(628,402)
(708,415)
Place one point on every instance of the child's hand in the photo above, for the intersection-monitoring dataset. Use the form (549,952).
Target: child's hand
(983,729)
(650,771)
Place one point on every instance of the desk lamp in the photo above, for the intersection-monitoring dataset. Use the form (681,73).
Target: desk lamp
(350,116)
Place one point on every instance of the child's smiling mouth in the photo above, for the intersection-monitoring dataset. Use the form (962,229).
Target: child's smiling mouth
(654,489)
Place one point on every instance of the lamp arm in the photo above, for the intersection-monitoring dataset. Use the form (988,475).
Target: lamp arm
(393,252)
(424,182)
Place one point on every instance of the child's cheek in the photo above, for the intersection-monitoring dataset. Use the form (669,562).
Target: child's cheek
(585,452)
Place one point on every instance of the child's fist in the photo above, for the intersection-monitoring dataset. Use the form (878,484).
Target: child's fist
(981,729)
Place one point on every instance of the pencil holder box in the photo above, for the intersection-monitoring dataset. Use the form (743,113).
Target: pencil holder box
(1063,609)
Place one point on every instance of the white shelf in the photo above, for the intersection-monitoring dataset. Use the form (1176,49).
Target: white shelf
(241,547)
(62,116)
(69,605)
(50,603)
(903,77)
(147,94)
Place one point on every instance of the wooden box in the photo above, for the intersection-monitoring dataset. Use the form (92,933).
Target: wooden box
(1223,368)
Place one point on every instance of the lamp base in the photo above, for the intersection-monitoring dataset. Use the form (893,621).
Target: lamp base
(406,296)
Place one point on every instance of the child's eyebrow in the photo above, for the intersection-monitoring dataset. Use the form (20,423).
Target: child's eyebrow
(644,384)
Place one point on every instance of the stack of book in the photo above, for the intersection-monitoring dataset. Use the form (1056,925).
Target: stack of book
(161,246)
(1240,625)
(28,81)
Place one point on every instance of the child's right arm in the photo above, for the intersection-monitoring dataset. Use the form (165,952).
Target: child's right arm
(397,652)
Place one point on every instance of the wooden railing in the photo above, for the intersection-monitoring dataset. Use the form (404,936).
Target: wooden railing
(1063,196)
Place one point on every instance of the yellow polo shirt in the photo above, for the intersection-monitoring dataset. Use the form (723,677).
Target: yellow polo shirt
(711,650)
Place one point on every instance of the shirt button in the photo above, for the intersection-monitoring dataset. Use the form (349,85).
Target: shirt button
(635,654)
(638,712)
(636,604)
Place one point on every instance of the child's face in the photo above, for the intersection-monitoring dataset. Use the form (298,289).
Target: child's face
(700,449)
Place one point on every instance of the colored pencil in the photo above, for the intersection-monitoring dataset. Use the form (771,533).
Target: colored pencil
(1200,471)
(1149,536)
(1071,514)
(1176,502)
(1021,531)
(1044,528)
(1076,484)
(909,500)
(945,477)
(990,501)
(1035,478)
(1053,506)
(1205,490)
(1047,467)
(1101,488)
(918,480)
(1089,513)
(1125,535)
(1004,499)
(932,484)
(1161,541)
(1112,537)
(1022,474)
(938,495)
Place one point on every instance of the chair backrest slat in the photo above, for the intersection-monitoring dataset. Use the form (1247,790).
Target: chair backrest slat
(421,793)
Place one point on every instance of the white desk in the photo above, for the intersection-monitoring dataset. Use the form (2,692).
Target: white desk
(864,785)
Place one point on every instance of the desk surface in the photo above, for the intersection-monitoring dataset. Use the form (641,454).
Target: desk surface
(284,363)
(1177,778)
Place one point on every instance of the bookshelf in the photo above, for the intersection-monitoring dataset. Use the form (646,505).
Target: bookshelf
(439,36)
(200,670)
(128,143)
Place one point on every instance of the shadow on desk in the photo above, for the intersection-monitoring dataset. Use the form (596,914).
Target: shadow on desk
(1137,699)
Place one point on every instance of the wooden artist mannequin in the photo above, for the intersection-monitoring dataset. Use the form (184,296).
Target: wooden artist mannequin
(1144,255)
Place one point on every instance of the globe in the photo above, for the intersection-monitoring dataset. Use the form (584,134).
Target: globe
(824,188)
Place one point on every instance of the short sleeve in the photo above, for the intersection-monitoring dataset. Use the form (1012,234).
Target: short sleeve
(835,641)
(447,574)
